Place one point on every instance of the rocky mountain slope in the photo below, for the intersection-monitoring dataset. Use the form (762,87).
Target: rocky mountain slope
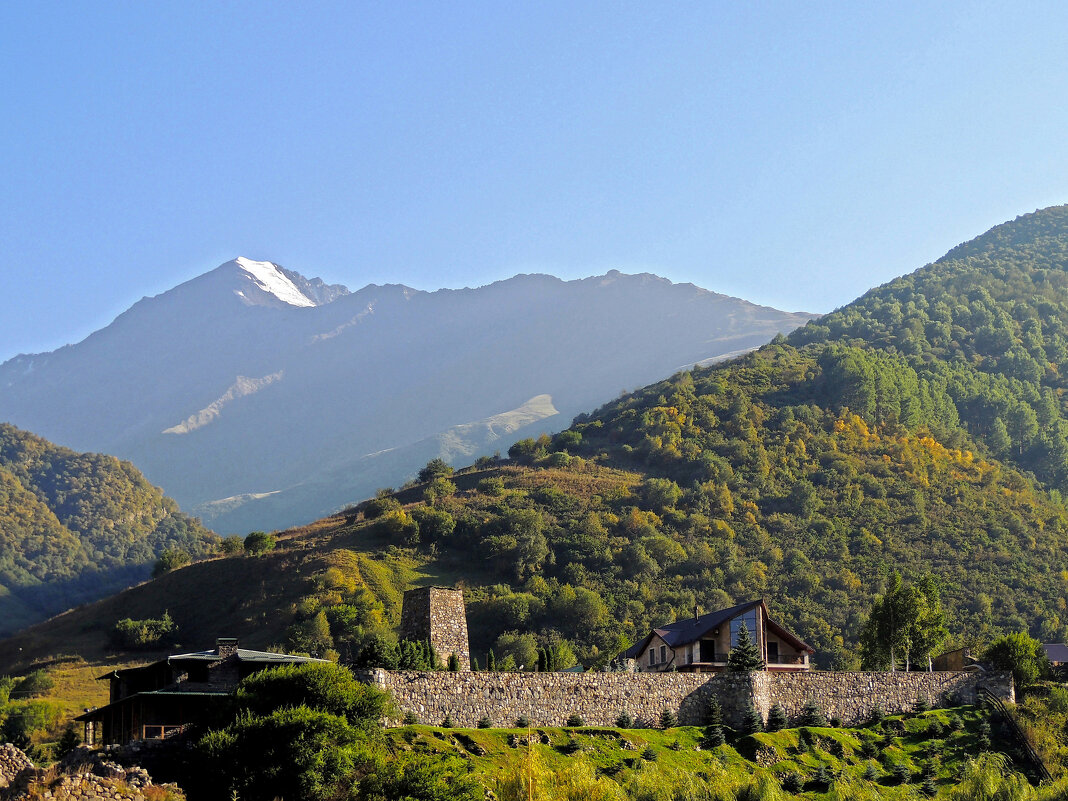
(259,399)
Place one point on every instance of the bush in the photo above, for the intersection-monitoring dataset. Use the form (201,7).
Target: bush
(901,773)
(33,684)
(435,468)
(921,704)
(258,542)
(877,715)
(522,722)
(379,506)
(624,721)
(714,736)
(322,686)
(143,634)
(668,719)
(231,545)
(410,719)
(649,754)
(870,772)
(751,720)
(776,718)
(454,663)
(812,715)
(67,742)
(792,782)
(1021,654)
(484,723)
(170,559)
(446,722)
(574,720)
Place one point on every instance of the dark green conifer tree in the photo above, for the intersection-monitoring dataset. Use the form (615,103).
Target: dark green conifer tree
(776,718)
(745,656)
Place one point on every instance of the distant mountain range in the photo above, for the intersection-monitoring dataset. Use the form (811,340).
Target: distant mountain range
(258,398)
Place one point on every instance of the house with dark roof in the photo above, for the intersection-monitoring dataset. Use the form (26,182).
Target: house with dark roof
(700,644)
(1056,653)
(161,699)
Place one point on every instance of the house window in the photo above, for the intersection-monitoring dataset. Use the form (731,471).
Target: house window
(663,653)
(750,620)
(689,654)
(652,657)
(773,652)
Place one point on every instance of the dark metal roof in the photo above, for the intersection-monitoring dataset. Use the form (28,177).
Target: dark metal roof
(1056,651)
(243,655)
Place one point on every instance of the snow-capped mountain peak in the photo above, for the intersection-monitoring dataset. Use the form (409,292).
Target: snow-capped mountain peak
(270,279)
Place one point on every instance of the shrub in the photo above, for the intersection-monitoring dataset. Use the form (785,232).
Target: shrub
(522,722)
(837,749)
(714,712)
(901,773)
(410,719)
(877,715)
(714,736)
(170,559)
(231,545)
(835,723)
(649,754)
(575,720)
(869,749)
(812,715)
(435,468)
(454,663)
(921,705)
(624,721)
(258,542)
(67,742)
(668,719)
(776,718)
(446,722)
(33,684)
(823,777)
(322,686)
(484,723)
(751,720)
(143,634)
(379,506)
(871,773)
(792,782)
(929,788)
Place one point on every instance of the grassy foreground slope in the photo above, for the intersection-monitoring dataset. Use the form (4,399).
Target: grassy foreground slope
(929,755)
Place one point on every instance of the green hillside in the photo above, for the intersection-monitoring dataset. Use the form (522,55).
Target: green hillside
(805,472)
(76,526)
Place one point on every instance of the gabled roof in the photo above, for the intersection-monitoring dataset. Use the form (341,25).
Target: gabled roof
(1056,651)
(241,654)
(683,632)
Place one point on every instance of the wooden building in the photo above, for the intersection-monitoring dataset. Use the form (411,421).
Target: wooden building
(161,699)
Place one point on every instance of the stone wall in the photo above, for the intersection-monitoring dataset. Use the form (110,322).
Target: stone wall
(437,614)
(548,699)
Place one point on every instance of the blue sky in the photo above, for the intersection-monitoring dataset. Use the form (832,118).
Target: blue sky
(789,155)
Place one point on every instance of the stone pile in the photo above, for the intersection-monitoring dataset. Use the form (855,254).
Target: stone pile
(83,775)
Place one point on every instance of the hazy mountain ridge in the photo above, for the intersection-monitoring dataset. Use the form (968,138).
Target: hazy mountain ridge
(341,377)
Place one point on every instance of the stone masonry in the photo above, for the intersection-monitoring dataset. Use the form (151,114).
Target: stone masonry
(549,699)
(437,615)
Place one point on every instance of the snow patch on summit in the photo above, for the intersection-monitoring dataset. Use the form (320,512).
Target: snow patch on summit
(272,281)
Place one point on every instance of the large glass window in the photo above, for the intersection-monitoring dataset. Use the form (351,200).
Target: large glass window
(750,620)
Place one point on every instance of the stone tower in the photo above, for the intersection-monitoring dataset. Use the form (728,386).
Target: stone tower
(437,614)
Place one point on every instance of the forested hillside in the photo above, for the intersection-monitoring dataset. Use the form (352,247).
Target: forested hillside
(75,526)
(806,472)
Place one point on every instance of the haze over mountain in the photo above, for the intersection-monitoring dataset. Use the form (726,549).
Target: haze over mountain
(258,398)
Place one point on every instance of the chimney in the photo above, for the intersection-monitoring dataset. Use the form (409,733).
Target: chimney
(696,612)
(226,646)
